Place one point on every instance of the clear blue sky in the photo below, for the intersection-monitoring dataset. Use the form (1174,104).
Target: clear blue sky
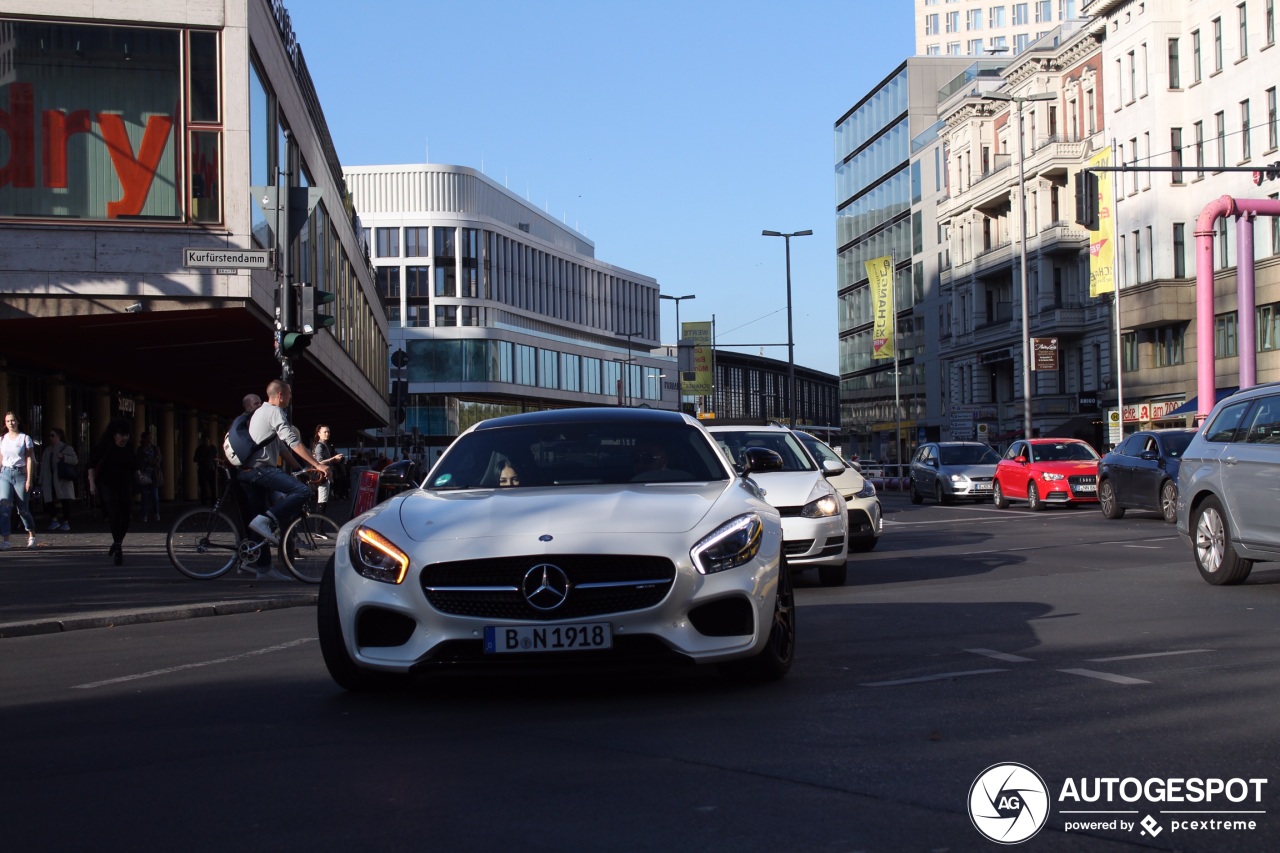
(668,133)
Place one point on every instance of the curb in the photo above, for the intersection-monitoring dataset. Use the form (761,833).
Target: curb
(58,625)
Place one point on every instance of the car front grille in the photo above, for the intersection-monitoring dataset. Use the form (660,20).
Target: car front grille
(790,511)
(598,584)
(797,547)
(982,479)
(1079,480)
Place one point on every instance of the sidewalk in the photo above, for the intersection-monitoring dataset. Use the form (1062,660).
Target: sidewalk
(67,582)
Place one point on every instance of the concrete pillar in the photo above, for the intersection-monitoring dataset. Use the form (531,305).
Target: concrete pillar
(55,408)
(190,441)
(99,413)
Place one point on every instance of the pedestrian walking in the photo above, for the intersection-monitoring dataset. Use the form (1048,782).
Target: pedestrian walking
(149,477)
(59,470)
(322,451)
(206,462)
(17,476)
(113,476)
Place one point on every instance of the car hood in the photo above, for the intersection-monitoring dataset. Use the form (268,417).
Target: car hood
(1080,466)
(615,510)
(969,470)
(787,488)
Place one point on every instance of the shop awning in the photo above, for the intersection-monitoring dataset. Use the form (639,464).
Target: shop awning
(1190,407)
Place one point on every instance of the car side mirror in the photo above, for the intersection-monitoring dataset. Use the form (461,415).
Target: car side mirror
(1021,460)
(1150,455)
(933,463)
(831,468)
(760,459)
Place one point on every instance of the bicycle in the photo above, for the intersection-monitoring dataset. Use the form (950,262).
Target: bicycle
(206,542)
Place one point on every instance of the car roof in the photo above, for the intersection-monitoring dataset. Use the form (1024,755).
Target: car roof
(747,428)
(959,444)
(1053,441)
(600,415)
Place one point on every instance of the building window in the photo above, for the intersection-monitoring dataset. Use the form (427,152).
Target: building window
(1175,74)
(469,314)
(417,282)
(1269,8)
(973,19)
(1179,250)
(1195,56)
(1224,335)
(1044,11)
(1129,351)
(446,280)
(1275,228)
(1220,121)
(1268,323)
(1199,144)
(1020,42)
(1169,346)
(388,242)
(526,365)
(389,283)
(931,24)
(1217,45)
(570,372)
(548,368)
(415,242)
(1246,145)
(1244,30)
(953,22)
(1273,139)
(1020,14)
(1133,77)
(446,315)
(975,47)
(1175,153)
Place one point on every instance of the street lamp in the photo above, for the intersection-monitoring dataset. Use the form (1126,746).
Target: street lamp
(679,331)
(626,374)
(791,344)
(1019,100)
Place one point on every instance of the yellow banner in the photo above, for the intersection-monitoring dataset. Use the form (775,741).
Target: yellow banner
(700,334)
(880,272)
(1102,243)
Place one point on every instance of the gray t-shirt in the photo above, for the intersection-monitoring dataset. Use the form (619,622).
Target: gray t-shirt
(269,420)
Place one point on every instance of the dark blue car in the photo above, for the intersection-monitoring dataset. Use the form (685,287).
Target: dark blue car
(1142,473)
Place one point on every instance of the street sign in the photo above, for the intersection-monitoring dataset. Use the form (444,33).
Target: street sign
(1114,429)
(253,259)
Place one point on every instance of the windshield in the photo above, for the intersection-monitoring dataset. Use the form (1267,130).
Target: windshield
(820,450)
(1065,452)
(569,454)
(736,442)
(968,454)
(1175,443)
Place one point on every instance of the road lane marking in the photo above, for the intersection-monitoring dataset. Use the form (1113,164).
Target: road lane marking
(172,669)
(1149,655)
(1105,676)
(1004,656)
(939,677)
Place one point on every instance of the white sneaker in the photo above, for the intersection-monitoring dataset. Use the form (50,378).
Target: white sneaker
(66,525)
(263,526)
(273,575)
(31,540)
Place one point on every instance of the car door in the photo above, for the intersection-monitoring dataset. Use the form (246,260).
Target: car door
(1145,475)
(928,469)
(1013,474)
(1251,476)
(1120,466)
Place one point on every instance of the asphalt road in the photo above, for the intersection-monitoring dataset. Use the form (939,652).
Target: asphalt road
(971,637)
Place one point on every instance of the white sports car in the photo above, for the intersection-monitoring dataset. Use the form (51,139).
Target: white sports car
(574,536)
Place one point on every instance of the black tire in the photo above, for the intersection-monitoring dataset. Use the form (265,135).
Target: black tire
(833,575)
(1107,501)
(203,543)
(333,648)
(1169,501)
(916,497)
(307,546)
(1218,562)
(939,495)
(997,496)
(775,660)
(861,546)
(1033,498)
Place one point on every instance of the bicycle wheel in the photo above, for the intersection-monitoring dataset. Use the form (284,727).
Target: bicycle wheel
(307,546)
(203,543)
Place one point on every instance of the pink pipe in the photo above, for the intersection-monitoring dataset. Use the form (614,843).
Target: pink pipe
(1225,206)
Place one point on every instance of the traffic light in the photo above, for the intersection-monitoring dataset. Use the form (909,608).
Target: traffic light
(293,343)
(1087,199)
(1269,172)
(312,316)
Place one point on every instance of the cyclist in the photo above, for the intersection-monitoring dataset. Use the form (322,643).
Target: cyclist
(263,468)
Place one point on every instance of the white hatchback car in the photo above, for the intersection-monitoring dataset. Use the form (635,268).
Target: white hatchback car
(815,521)
(865,520)
(580,536)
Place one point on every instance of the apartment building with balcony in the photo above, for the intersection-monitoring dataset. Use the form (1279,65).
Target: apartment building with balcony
(979,28)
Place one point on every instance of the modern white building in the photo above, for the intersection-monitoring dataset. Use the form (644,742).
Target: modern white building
(130,135)
(499,307)
(985,28)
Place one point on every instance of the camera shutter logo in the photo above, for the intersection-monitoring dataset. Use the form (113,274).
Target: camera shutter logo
(1008,803)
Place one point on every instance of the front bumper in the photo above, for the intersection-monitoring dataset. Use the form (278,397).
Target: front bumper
(815,541)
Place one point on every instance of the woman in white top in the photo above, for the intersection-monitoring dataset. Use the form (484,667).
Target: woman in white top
(17,475)
(58,492)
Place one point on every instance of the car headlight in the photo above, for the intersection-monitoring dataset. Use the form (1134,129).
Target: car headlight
(959,478)
(867,490)
(730,545)
(376,557)
(824,507)
(1051,476)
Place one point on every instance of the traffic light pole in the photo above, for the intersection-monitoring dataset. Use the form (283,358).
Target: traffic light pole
(287,320)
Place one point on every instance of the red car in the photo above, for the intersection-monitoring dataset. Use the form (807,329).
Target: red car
(1043,471)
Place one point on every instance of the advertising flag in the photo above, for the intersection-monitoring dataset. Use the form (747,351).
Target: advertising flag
(880,272)
(700,335)
(1102,243)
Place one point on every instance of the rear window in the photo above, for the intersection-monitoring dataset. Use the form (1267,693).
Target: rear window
(1175,444)
(1226,425)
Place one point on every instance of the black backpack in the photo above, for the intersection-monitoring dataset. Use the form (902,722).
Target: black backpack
(238,445)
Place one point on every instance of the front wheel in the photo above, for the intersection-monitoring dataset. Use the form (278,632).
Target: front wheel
(775,660)
(308,546)
(997,496)
(1107,500)
(1218,562)
(1169,501)
(1033,498)
(916,497)
(203,543)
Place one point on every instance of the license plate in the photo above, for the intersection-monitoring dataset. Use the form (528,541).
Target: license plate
(1087,488)
(549,638)
(982,487)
